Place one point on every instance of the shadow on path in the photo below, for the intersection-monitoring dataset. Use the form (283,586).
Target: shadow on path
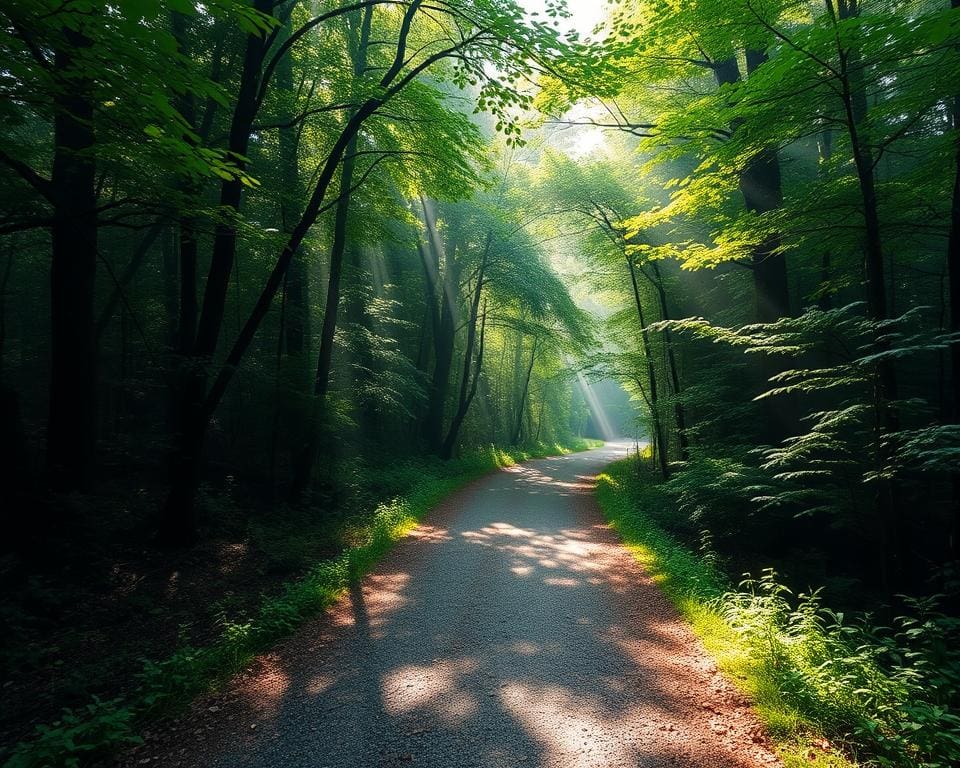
(511,629)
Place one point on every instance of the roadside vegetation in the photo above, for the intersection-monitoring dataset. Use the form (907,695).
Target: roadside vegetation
(162,686)
(834,689)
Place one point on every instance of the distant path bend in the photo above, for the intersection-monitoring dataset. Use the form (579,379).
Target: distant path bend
(511,629)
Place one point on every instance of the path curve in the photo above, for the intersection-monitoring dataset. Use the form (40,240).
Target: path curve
(511,629)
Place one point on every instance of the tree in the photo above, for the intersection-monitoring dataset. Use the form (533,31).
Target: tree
(482,34)
(55,52)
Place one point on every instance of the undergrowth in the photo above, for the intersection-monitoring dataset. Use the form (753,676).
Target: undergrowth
(832,690)
(82,735)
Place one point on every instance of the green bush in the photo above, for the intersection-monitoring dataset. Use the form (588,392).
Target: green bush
(888,695)
(78,737)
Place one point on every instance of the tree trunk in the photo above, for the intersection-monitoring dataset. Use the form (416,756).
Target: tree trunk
(518,428)
(761,185)
(187,323)
(762,189)
(292,345)
(953,272)
(431,321)
(443,362)
(187,223)
(305,465)
(171,316)
(332,305)
(678,410)
(825,151)
(466,394)
(15,476)
(341,218)
(73,348)
(516,377)
(170,288)
(892,537)
(659,436)
(543,403)
(444,288)
(231,192)
(178,522)
(4,282)
(466,398)
(296,285)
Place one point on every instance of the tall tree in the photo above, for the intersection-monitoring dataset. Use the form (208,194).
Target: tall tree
(358,39)
(491,36)
(953,272)
(73,267)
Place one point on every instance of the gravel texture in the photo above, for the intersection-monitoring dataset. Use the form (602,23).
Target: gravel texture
(511,629)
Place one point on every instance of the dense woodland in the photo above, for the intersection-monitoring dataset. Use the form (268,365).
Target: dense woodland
(266,264)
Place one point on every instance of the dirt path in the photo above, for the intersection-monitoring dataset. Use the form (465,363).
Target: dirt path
(510,630)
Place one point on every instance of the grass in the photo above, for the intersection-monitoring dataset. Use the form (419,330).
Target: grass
(834,691)
(698,590)
(85,734)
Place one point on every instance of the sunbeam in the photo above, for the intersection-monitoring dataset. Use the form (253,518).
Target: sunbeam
(597,411)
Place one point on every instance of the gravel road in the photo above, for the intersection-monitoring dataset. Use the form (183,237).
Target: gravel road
(511,629)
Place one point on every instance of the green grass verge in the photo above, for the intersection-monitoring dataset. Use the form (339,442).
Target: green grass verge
(698,592)
(102,727)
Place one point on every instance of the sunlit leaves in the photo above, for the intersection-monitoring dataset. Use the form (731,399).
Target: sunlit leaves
(905,58)
(135,73)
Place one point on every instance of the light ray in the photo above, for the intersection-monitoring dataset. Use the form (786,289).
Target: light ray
(607,432)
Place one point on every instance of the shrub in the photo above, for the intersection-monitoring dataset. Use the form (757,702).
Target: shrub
(889,694)
(79,736)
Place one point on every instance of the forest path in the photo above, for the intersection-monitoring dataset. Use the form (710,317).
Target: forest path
(511,629)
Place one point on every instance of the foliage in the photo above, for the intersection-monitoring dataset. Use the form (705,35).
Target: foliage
(78,737)
(887,695)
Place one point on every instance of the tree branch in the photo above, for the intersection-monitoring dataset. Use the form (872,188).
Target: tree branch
(34,179)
